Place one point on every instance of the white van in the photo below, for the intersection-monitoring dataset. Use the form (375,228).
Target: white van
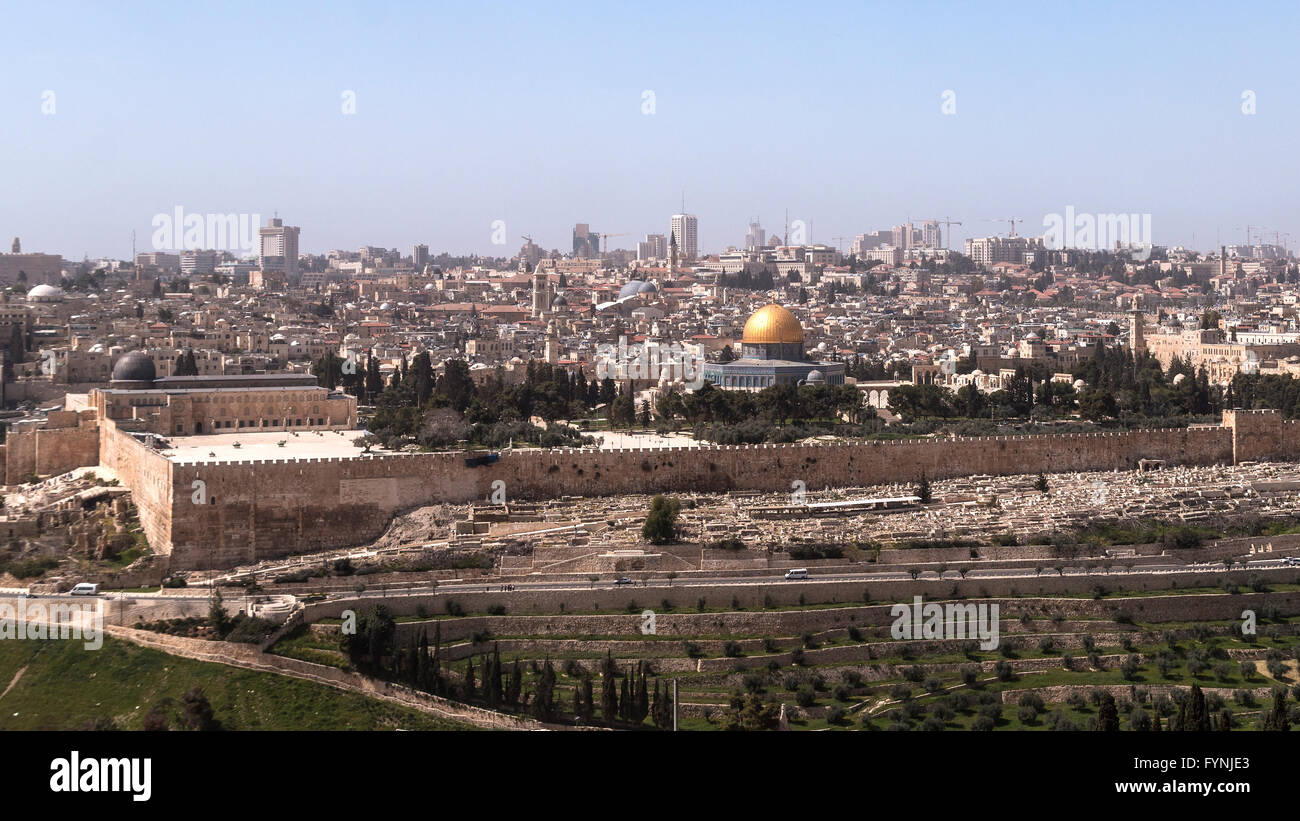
(797,573)
(85,589)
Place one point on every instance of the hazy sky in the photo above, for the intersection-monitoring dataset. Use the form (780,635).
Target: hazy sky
(466,113)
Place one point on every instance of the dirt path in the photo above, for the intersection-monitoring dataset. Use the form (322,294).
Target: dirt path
(17,676)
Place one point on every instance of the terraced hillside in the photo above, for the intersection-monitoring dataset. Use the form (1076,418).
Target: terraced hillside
(1060,663)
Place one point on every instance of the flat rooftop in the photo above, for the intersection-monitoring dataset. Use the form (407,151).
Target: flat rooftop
(261,445)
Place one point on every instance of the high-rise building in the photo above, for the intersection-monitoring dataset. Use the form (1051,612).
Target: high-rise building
(530,253)
(756,238)
(158,259)
(931,236)
(686,230)
(278,247)
(654,247)
(869,242)
(419,256)
(586,245)
(989,250)
(905,236)
(198,262)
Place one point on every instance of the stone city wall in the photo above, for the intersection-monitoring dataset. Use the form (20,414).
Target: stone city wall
(263,509)
(149,476)
(255,510)
(67,440)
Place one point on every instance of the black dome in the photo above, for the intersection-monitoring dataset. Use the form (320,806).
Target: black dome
(135,366)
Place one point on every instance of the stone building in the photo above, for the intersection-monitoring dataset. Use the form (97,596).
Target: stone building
(187,405)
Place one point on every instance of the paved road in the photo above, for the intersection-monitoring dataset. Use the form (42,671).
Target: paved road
(764,581)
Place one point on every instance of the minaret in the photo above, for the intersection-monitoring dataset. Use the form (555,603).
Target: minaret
(1137,341)
(672,256)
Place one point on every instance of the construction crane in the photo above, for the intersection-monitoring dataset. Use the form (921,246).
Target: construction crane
(1012,220)
(840,240)
(1248,229)
(603,237)
(948,222)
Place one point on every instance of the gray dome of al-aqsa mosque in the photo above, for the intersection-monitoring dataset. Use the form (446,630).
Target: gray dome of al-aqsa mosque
(134,370)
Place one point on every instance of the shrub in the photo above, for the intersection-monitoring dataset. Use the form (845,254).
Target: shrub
(805,696)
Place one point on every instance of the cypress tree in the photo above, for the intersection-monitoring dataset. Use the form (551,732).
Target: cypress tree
(436,662)
(642,704)
(515,685)
(625,699)
(1276,719)
(1197,717)
(608,699)
(469,679)
(423,677)
(1108,714)
(496,674)
(544,694)
(588,702)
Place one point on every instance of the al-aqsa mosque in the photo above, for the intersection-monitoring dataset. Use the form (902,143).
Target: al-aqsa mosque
(772,353)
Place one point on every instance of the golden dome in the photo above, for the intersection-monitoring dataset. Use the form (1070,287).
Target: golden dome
(772,324)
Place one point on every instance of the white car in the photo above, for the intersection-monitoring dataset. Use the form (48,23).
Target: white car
(797,573)
(1293,561)
(85,589)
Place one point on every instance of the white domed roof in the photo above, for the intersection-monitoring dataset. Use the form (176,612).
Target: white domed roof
(44,291)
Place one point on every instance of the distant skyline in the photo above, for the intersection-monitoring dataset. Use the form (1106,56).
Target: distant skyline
(533,115)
